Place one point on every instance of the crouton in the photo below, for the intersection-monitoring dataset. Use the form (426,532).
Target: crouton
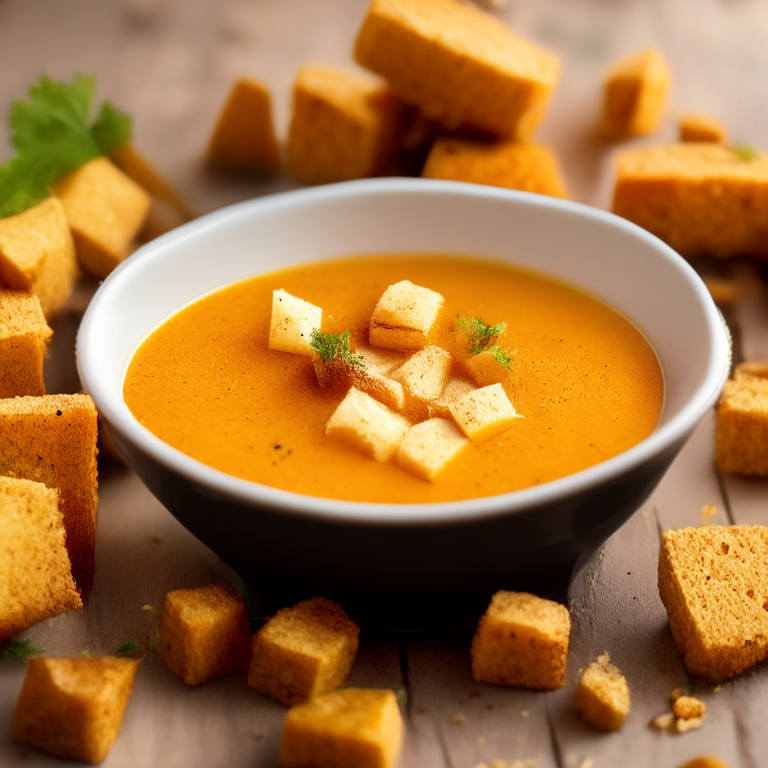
(454,389)
(688,707)
(244,136)
(36,580)
(105,210)
(52,440)
(303,652)
(342,374)
(423,376)
(487,368)
(429,446)
(404,316)
(484,412)
(756,369)
(73,707)
(203,633)
(24,338)
(701,199)
(37,254)
(351,728)
(695,127)
(381,361)
(292,322)
(714,584)
(458,64)
(602,696)
(522,640)
(635,95)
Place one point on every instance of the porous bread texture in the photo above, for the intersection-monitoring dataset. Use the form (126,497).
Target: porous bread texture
(701,199)
(455,388)
(203,633)
(292,322)
(52,439)
(688,707)
(303,652)
(458,64)
(35,575)
(485,369)
(522,640)
(37,254)
(73,707)
(602,696)
(483,413)
(350,728)
(429,447)
(340,374)
(423,377)
(757,369)
(695,127)
(404,316)
(713,582)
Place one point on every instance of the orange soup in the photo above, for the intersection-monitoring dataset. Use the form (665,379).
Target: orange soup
(584,378)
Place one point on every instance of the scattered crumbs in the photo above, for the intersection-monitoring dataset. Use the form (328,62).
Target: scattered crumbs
(21,650)
(147,608)
(662,722)
(684,725)
(717,689)
(402,697)
(481,740)
(459,719)
(525,713)
(85,652)
(708,511)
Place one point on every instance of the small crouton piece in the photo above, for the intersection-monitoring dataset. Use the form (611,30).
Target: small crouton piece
(458,64)
(244,136)
(688,707)
(429,446)
(303,652)
(404,316)
(37,579)
(484,412)
(635,95)
(695,127)
(454,389)
(351,728)
(486,368)
(423,376)
(381,361)
(203,633)
(341,374)
(105,210)
(714,584)
(367,425)
(292,322)
(73,707)
(522,640)
(683,725)
(602,696)
(37,254)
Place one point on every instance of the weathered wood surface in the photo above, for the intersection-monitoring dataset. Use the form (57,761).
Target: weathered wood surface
(170,62)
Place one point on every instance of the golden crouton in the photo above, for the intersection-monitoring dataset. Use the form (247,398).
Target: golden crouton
(484,412)
(458,64)
(37,579)
(404,316)
(522,640)
(351,728)
(37,254)
(52,439)
(429,446)
(303,652)
(423,376)
(24,337)
(454,389)
(486,368)
(756,369)
(602,696)
(635,95)
(73,707)
(713,582)
(341,374)
(244,136)
(530,167)
(343,126)
(698,198)
(292,322)
(695,127)
(105,210)
(688,707)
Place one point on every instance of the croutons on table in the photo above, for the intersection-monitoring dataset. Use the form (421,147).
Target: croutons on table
(602,696)
(404,316)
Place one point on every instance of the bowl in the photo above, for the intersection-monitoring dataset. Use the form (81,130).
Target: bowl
(532,538)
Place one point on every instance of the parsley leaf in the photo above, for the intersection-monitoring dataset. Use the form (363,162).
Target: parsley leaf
(21,650)
(745,152)
(480,334)
(332,346)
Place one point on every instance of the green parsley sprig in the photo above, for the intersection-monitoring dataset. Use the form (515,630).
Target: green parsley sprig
(333,346)
(479,334)
(130,648)
(21,650)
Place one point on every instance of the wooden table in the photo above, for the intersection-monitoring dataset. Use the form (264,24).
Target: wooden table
(170,63)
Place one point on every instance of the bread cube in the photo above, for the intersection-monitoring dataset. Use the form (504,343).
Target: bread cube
(105,210)
(688,707)
(244,136)
(73,707)
(292,322)
(303,652)
(404,316)
(423,376)
(368,425)
(695,127)
(635,95)
(485,368)
(37,254)
(522,640)
(455,388)
(341,374)
(713,582)
(458,64)
(602,696)
(37,579)
(52,439)
(381,361)
(351,728)
(756,369)
(429,446)
(484,412)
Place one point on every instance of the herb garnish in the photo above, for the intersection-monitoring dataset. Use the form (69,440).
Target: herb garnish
(332,346)
(21,650)
(130,648)
(481,337)
(745,152)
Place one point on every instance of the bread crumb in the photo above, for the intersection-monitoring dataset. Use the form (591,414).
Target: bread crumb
(677,693)
(602,696)
(662,722)
(688,708)
(708,511)
(683,725)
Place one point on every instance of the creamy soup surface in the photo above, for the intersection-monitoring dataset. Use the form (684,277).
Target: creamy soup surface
(585,379)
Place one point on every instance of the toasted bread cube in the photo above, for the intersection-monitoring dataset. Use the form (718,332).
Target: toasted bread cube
(203,633)
(455,388)
(429,446)
(423,376)
(522,640)
(368,425)
(695,127)
(714,584)
(458,64)
(36,578)
(303,652)
(483,413)
(485,368)
(292,322)
(74,707)
(105,210)
(382,361)
(688,707)
(635,95)
(340,374)
(244,136)
(404,316)
(602,696)
(52,439)
(37,254)
(756,369)
(351,728)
